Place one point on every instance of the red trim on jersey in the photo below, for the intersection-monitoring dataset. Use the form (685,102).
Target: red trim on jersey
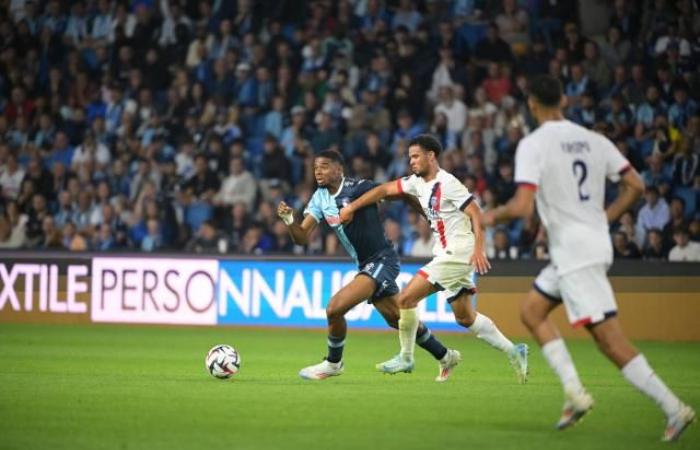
(423,274)
(440,223)
(625,169)
(398,185)
(530,186)
(582,322)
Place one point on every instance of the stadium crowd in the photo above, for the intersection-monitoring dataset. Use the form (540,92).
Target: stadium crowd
(180,124)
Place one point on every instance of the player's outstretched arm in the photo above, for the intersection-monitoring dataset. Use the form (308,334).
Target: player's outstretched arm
(370,197)
(631,188)
(478,259)
(521,205)
(299,232)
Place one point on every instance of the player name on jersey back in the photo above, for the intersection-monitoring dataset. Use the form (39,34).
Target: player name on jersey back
(569,165)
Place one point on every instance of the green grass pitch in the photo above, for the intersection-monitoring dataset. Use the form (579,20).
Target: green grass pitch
(134,387)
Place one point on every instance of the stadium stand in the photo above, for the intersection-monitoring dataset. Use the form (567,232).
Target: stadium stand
(154,125)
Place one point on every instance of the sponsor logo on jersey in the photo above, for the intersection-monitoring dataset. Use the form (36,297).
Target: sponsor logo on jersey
(333,220)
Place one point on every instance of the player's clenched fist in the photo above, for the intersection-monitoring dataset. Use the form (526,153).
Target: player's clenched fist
(285,213)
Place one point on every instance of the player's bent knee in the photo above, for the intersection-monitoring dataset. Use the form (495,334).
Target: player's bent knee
(406,302)
(333,312)
(466,319)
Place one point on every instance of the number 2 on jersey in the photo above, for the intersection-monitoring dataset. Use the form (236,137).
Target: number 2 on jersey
(581,172)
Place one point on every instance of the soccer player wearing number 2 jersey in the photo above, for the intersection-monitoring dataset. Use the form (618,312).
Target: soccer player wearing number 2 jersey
(564,167)
(459,249)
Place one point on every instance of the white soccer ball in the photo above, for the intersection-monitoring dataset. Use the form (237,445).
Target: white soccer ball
(223,361)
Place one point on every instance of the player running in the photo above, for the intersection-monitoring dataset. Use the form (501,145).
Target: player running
(377,262)
(459,249)
(564,167)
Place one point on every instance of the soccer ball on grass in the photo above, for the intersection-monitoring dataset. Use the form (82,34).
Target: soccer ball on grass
(223,361)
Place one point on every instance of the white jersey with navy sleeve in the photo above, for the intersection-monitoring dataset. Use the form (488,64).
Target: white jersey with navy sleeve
(568,166)
(443,200)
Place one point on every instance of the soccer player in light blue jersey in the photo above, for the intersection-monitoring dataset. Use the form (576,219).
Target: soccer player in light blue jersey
(376,259)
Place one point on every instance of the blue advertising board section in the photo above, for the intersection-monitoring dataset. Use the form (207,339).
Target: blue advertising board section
(296,294)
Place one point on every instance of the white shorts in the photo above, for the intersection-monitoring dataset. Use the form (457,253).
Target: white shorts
(587,295)
(451,274)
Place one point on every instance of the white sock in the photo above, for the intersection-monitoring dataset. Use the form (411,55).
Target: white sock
(485,329)
(408,326)
(640,374)
(560,361)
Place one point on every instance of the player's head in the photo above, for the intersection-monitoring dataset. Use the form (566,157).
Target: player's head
(423,152)
(328,168)
(545,96)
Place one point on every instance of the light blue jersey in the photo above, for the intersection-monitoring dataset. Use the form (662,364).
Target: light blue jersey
(364,236)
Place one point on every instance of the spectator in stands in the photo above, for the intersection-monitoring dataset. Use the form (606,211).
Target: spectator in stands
(684,250)
(50,235)
(623,248)
(677,217)
(453,108)
(406,16)
(505,186)
(255,241)
(12,235)
(655,248)
(595,67)
(104,240)
(11,175)
(493,48)
(682,108)
(616,48)
(108,106)
(655,214)
(283,242)
(501,246)
(513,25)
(203,185)
(577,86)
(686,166)
(239,186)
(206,239)
(497,84)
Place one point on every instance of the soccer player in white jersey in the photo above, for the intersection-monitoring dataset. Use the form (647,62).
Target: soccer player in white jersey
(564,167)
(377,264)
(458,251)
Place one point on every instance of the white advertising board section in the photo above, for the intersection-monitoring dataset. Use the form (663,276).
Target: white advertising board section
(148,290)
(40,290)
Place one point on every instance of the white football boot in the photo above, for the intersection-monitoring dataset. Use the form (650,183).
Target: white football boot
(447,364)
(322,370)
(396,364)
(577,405)
(678,423)
(518,359)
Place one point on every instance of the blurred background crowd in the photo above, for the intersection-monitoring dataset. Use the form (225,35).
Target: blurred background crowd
(161,125)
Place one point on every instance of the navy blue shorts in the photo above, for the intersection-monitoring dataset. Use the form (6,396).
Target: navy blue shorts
(383,268)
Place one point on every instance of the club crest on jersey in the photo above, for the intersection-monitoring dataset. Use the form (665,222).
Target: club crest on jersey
(434,202)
